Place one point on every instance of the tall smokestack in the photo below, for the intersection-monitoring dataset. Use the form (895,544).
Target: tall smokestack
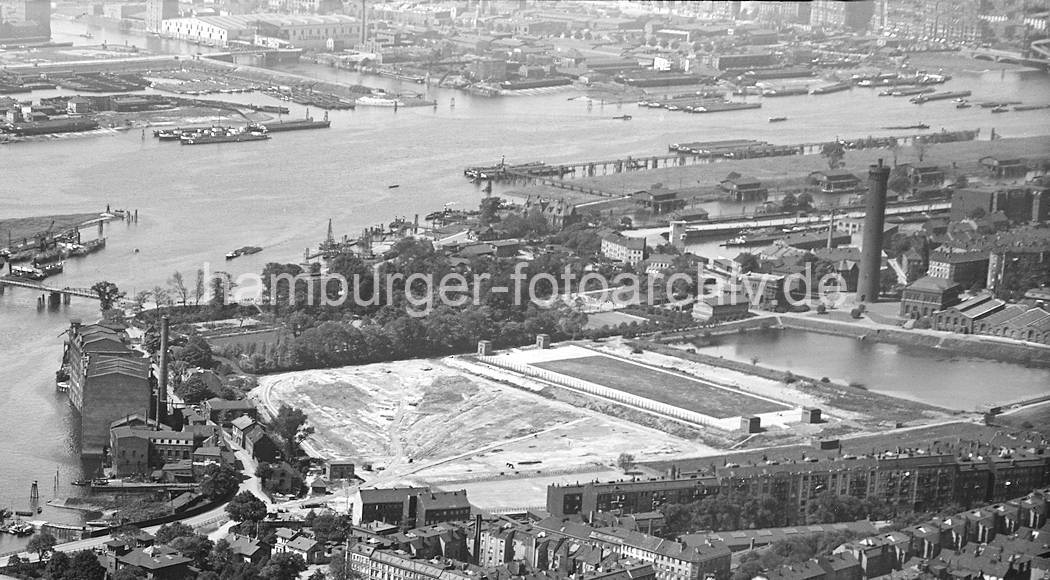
(871,250)
(162,381)
(477,539)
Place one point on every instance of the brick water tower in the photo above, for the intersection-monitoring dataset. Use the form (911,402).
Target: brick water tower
(874,219)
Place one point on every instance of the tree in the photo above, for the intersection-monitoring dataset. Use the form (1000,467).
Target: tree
(41,544)
(130,573)
(490,207)
(318,575)
(197,352)
(194,390)
(194,547)
(340,569)
(625,462)
(219,481)
(57,566)
(749,262)
(178,287)
(161,296)
(921,148)
(789,203)
(107,293)
(834,152)
(141,298)
(289,426)
(245,507)
(169,532)
(283,566)
(85,566)
(199,287)
(898,181)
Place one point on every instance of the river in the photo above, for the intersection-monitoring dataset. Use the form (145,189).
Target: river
(197,203)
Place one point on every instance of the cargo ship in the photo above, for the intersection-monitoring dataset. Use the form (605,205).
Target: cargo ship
(296,125)
(50,126)
(243,251)
(835,88)
(225,135)
(785,92)
(371,101)
(722,107)
(939,96)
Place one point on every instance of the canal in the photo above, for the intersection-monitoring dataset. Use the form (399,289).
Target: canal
(922,374)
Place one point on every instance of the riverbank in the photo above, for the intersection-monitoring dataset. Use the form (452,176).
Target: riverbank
(960,344)
(959,157)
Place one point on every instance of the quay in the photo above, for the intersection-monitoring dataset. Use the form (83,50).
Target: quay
(556,175)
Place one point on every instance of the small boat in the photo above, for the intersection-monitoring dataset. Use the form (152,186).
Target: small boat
(623,118)
(23,513)
(88,35)
(395,186)
(777,119)
(963,105)
(81,482)
(100,481)
(1000,109)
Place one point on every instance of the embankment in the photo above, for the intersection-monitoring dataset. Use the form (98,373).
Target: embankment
(965,345)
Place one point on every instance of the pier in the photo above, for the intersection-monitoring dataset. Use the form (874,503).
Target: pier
(54,294)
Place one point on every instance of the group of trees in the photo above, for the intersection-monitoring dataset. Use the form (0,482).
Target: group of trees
(720,513)
(82,565)
(790,551)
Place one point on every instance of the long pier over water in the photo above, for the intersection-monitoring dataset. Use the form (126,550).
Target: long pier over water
(55,295)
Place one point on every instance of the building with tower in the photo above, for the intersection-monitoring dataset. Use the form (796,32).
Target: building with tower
(157,11)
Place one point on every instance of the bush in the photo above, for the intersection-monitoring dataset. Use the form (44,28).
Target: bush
(825,380)
(821,309)
(856,312)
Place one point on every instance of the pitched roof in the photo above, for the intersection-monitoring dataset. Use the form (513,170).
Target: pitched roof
(932,284)
(303,544)
(153,558)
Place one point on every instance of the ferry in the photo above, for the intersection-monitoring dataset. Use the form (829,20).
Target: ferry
(28,272)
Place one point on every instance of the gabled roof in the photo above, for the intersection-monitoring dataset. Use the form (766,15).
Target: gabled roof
(303,544)
(932,284)
(243,422)
(102,365)
(154,558)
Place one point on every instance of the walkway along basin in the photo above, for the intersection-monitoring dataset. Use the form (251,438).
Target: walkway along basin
(928,375)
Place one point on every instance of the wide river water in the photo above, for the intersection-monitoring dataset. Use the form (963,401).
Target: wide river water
(197,203)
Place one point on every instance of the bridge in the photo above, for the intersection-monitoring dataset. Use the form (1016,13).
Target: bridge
(1038,55)
(54,293)
(682,230)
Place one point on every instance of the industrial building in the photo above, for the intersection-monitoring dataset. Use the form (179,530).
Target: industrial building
(25,21)
(326,32)
(107,381)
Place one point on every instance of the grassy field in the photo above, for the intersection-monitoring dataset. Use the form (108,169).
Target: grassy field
(18,228)
(665,387)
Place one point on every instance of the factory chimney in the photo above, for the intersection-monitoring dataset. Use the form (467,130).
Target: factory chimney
(871,249)
(162,381)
